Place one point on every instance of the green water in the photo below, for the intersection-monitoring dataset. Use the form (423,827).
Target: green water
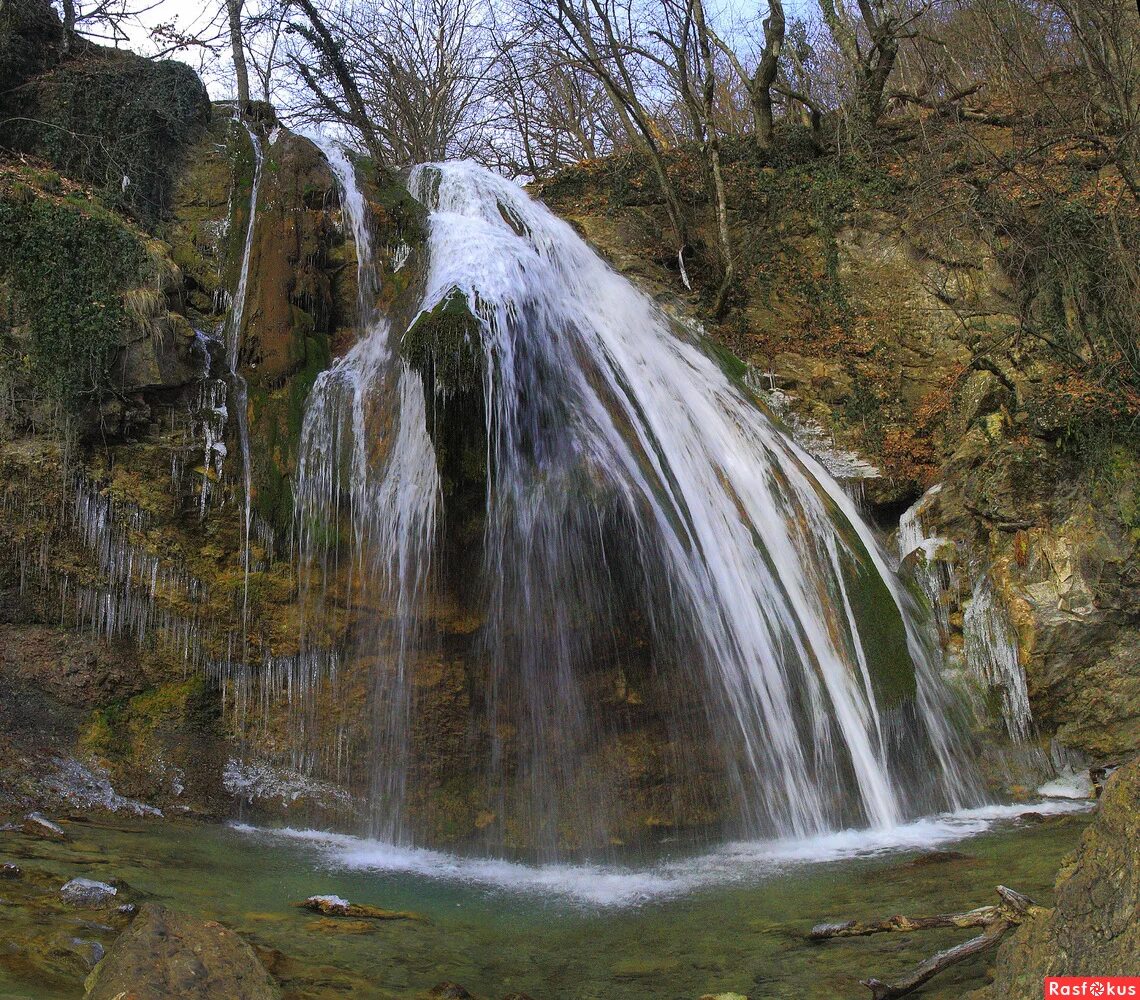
(746,938)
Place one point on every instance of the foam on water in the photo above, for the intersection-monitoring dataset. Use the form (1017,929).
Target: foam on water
(615,886)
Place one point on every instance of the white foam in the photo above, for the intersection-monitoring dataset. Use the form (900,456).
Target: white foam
(1069,785)
(613,886)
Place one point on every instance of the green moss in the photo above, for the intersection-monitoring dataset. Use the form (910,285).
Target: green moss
(445,346)
(128,727)
(882,633)
(730,364)
(67,270)
(399,215)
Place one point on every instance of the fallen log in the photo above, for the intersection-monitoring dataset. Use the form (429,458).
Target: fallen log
(996,921)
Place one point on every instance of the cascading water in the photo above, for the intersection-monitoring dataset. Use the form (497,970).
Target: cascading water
(635,496)
(991,653)
(364,443)
(233,328)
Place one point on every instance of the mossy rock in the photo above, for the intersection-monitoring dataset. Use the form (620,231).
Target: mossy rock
(445,346)
(102,116)
(67,269)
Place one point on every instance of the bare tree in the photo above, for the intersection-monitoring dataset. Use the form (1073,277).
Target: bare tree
(869,43)
(264,32)
(593,33)
(559,113)
(712,145)
(102,20)
(237,50)
(760,81)
(321,35)
(425,70)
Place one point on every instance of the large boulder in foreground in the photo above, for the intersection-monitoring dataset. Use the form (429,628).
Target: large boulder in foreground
(1093,930)
(164,954)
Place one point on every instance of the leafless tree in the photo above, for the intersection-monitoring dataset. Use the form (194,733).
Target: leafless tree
(760,81)
(559,113)
(237,51)
(599,40)
(869,39)
(103,20)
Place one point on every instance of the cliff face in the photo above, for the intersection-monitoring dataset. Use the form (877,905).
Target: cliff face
(124,568)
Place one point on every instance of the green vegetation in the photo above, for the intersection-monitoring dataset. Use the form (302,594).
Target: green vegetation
(66,270)
(445,345)
(113,120)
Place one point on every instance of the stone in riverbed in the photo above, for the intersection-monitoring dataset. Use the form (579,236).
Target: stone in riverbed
(87,892)
(335,906)
(329,925)
(450,991)
(37,825)
(165,953)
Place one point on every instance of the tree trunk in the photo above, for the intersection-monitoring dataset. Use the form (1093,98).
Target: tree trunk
(996,921)
(68,25)
(237,47)
(713,143)
(760,88)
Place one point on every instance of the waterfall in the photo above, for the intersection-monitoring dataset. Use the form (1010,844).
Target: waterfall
(641,511)
(991,654)
(364,443)
(932,570)
(233,330)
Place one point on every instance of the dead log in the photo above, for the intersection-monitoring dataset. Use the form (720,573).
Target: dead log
(1011,910)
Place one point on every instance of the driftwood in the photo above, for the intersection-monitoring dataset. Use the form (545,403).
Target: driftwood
(996,921)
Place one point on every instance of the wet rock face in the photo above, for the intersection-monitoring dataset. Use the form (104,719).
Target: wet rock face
(164,953)
(1093,929)
(1056,544)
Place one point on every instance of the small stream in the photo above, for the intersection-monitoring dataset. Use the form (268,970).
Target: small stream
(673,928)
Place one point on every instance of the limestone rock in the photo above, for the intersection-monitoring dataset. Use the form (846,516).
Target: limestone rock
(164,953)
(1093,928)
(36,825)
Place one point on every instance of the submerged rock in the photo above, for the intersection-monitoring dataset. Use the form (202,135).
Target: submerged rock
(37,825)
(450,991)
(164,953)
(335,906)
(87,892)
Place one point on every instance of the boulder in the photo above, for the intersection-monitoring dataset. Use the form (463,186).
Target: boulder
(165,953)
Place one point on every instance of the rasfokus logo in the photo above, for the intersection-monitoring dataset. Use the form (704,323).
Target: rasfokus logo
(1092,986)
